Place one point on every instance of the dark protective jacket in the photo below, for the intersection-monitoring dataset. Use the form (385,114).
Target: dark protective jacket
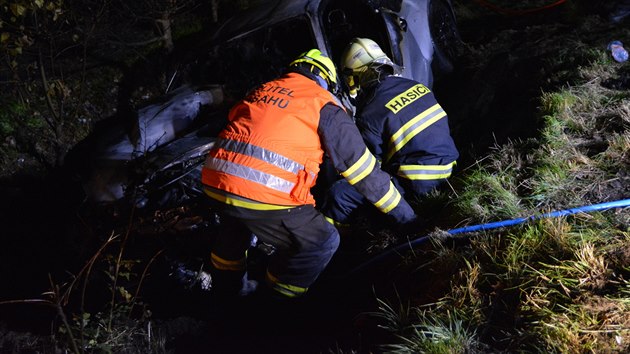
(269,154)
(407,130)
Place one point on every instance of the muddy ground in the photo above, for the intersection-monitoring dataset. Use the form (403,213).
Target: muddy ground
(49,235)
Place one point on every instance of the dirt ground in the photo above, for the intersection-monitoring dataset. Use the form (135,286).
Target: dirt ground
(491,98)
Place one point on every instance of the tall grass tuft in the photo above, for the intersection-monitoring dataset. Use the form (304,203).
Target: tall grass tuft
(488,195)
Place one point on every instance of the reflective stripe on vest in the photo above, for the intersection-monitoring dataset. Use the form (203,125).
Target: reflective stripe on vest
(271,157)
(233,199)
(413,127)
(250,174)
(426,172)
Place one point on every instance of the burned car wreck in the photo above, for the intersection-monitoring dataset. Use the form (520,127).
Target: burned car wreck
(158,161)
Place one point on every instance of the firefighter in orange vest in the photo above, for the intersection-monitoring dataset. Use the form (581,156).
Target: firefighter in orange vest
(261,170)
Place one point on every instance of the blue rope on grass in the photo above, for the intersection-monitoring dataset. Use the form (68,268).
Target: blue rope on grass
(624,203)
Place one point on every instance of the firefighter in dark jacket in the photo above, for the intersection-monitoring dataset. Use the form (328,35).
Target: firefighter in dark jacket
(401,123)
(261,170)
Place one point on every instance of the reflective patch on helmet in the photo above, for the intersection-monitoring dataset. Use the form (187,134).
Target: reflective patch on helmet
(361,52)
(406,98)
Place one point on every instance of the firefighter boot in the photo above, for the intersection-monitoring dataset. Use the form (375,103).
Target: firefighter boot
(226,283)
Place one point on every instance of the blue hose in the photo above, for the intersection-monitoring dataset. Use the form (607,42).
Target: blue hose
(493,225)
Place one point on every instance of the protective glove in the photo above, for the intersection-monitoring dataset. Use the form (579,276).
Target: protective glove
(414,226)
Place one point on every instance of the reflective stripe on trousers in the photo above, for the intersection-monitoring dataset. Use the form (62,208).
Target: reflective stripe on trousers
(304,243)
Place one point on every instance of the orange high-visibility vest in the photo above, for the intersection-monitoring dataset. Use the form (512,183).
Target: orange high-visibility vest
(270,151)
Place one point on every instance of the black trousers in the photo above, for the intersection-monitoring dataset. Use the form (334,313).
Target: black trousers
(304,243)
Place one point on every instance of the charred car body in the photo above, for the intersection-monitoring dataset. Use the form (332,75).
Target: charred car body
(159,161)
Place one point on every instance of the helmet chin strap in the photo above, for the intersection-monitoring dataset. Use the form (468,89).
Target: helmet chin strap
(320,80)
(373,75)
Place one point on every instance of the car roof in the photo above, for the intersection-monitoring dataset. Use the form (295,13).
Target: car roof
(268,13)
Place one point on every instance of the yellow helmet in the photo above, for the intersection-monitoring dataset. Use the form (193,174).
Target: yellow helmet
(361,62)
(320,65)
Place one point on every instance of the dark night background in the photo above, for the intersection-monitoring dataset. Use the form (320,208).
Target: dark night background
(49,233)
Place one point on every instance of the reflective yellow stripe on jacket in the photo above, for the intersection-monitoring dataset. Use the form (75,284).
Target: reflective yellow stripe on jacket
(389,200)
(426,172)
(413,127)
(362,168)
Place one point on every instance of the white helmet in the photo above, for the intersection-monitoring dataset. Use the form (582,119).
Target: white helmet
(363,62)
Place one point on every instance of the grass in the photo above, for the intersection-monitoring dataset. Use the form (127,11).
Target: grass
(552,286)
(555,285)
